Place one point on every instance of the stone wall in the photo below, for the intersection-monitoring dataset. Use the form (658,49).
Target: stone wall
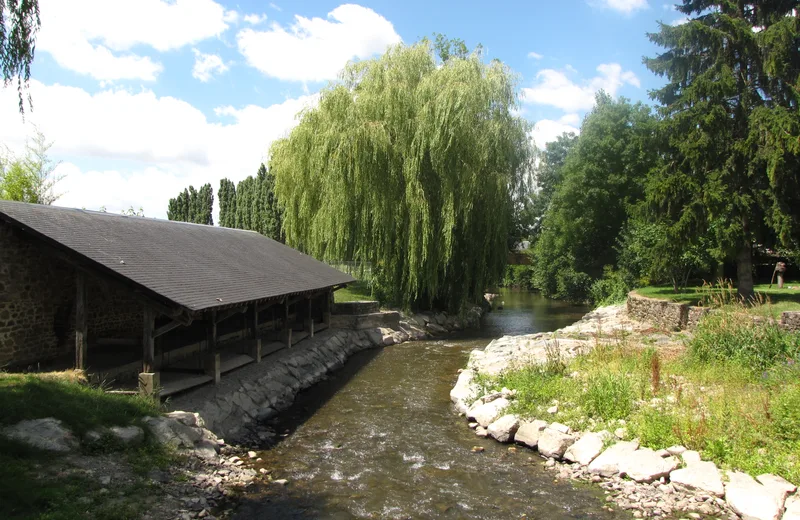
(37,304)
(670,316)
(791,320)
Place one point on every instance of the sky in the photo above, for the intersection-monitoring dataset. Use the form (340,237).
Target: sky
(142,98)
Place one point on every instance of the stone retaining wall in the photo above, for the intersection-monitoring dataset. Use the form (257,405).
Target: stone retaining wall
(681,316)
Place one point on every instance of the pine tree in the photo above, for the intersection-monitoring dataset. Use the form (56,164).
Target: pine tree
(730,125)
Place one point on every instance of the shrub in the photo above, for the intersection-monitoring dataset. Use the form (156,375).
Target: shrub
(518,276)
(654,427)
(573,286)
(612,288)
(608,396)
(729,336)
(785,412)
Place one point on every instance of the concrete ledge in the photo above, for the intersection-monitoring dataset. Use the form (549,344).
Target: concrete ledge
(385,319)
(356,308)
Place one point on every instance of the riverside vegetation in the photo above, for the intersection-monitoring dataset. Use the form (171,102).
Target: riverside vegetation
(730,389)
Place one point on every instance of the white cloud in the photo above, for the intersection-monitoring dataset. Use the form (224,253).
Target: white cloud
(535,55)
(553,87)
(623,6)
(255,19)
(315,49)
(547,130)
(681,21)
(274,6)
(206,65)
(97,37)
(164,145)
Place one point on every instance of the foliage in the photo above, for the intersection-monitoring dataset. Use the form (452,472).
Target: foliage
(193,205)
(412,165)
(518,276)
(608,396)
(729,108)
(602,177)
(768,301)
(547,176)
(251,205)
(19,23)
(30,178)
(734,337)
(612,288)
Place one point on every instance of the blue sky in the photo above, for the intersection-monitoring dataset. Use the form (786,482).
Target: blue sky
(143,97)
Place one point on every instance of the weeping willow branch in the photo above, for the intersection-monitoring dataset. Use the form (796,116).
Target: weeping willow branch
(413,165)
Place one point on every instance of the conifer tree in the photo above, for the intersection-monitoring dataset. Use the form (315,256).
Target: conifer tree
(192,205)
(227,203)
(730,112)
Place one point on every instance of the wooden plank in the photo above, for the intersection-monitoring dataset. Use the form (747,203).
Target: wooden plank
(174,324)
(297,337)
(234,362)
(230,312)
(271,347)
(81,339)
(181,382)
(148,341)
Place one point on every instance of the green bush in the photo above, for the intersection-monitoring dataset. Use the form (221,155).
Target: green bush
(608,396)
(612,288)
(573,286)
(518,276)
(730,336)
(654,427)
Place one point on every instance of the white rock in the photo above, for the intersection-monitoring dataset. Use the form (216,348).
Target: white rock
(529,432)
(690,457)
(778,485)
(252,454)
(663,453)
(563,428)
(553,409)
(504,428)
(45,434)
(485,414)
(792,508)
(480,431)
(645,465)
(751,500)
(464,391)
(129,435)
(553,443)
(702,476)
(621,433)
(676,450)
(586,449)
(607,463)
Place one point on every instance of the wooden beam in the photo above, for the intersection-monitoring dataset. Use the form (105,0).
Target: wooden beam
(254,323)
(230,312)
(81,340)
(286,330)
(174,324)
(148,340)
(212,364)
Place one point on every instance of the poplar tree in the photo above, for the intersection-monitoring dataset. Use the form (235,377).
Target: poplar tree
(410,163)
(227,203)
(730,112)
(192,205)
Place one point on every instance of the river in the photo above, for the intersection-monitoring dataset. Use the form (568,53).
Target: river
(380,439)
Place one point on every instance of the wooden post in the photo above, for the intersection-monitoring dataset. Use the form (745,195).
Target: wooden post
(256,350)
(308,322)
(255,322)
(150,384)
(326,308)
(286,329)
(148,340)
(81,340)
(212,366)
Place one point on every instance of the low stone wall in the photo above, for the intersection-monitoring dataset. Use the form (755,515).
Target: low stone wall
(681,316)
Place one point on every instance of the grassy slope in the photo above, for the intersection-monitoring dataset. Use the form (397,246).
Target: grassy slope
(776,300)
(358,291)
(739,407)
(39,485)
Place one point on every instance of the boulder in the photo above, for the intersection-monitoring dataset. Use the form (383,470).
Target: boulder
(504,428)
(676,450)
(690,457)
(45,434)
(778,485)
(701,476)
(563,428)
(187,418)
(172,432)
(751,500)
(127,435)
(464,391)
(486,413)
(792,508)
(645,465)
(586,449)
(553,443)
(529,432)
(607,463)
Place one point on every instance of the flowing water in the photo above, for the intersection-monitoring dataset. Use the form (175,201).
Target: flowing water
(380,439)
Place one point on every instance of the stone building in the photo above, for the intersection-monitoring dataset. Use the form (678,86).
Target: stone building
(119,295)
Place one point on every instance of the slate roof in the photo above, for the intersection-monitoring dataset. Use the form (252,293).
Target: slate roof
(191,265)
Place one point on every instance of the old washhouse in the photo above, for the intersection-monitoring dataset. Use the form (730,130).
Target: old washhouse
(170,304)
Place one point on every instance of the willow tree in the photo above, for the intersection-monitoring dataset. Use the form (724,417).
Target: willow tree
(411,164)
(730,110)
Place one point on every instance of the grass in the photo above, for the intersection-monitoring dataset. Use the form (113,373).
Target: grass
(773,301)
(40,485)
(358,291)
(733,394)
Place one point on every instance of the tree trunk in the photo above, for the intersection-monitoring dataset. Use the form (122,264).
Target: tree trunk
(744,271)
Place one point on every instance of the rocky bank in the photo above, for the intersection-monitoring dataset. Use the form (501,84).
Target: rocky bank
(649,483)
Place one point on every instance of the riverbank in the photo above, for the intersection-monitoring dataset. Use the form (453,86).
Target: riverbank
(609,380)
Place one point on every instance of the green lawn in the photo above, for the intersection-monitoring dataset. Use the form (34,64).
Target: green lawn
(358,291)
(775,301)
(35,484)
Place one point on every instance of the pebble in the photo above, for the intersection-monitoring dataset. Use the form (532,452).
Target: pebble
(478,449)
(252,454)
(281,481)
